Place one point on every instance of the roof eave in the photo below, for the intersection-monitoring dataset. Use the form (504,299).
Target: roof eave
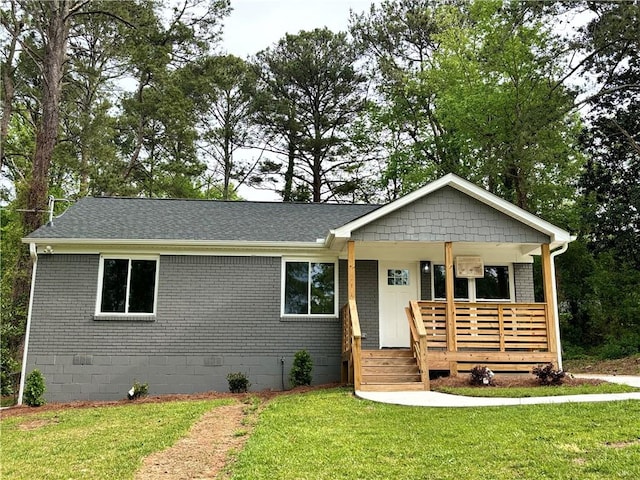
(172,243)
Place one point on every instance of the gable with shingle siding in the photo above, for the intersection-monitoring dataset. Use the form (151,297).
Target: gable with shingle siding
(448,215)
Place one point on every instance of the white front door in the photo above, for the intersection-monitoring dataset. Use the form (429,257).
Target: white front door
(398,284)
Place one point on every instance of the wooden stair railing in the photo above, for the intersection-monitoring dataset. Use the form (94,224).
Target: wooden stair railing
(351,344)
(418,341)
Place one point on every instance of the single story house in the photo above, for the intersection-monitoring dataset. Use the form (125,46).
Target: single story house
(179,293)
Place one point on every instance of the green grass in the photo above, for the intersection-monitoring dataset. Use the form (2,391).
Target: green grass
(7,401)
(332,435)
(93,443)
(548,391)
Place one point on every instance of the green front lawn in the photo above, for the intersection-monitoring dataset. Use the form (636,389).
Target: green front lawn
(93,443)
(332,435)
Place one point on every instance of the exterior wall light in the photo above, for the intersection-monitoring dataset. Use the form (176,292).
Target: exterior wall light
(425,266)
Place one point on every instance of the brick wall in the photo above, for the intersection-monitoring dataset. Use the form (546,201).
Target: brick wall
(215,315)
(366,298)
(523,280)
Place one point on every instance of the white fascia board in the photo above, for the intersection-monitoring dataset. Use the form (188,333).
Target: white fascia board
(167,247)
(557,235)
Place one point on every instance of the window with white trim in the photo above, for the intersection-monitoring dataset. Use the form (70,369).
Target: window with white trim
(309,287)
(127,285)
(494,285)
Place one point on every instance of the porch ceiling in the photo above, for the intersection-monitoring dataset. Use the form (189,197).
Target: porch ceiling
(434,251)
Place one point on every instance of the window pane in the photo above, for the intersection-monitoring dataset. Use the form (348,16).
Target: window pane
(460,285)
(322,288)
(114,285)
(494,285)
(296,288)
(439,281)
(397,277)
(461,288)
(142,286)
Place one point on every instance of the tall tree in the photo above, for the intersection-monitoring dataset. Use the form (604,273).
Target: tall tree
(311,92)
(610,182)
(158,125)
(481,97)
(52,22)
(397,39)
(58,61)
(224,88)
(506,113)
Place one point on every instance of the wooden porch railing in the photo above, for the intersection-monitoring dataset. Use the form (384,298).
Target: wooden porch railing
(418,341)
(351,344)
(500,327)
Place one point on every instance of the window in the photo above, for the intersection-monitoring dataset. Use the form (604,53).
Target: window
(398,277)
(309,288)
(495,285)
(460,285)
(127,285)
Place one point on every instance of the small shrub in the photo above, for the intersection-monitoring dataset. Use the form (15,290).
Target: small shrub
(301,370)
(547,375)
(238,382)
(34,389)
(138,390)
(481,375)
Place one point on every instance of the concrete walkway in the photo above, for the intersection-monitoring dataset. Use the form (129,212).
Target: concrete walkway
(437,399)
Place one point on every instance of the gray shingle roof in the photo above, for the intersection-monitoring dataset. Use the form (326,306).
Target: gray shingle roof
(164,219)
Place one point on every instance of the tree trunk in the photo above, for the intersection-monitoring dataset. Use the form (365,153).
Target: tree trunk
(287,194)
(227,152)
(8,89)
(55,34)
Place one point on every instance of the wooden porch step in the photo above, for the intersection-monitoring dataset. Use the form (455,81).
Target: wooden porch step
(392,387)
(388,353)
(391,362)
(390,378)
(390,370)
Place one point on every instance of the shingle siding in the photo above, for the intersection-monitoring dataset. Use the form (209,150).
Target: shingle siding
(215,315)
(449,215)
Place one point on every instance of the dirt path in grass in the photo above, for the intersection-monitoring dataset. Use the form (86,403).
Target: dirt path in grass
(205,451)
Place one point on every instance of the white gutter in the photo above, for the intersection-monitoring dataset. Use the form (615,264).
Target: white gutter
(173,243)
(34,255)
(556,314)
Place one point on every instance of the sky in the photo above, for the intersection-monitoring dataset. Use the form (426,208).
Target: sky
(257,24)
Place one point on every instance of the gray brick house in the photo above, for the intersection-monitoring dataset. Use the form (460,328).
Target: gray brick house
(179,293)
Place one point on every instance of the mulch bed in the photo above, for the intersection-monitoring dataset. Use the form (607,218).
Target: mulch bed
(509,381)
(263,395)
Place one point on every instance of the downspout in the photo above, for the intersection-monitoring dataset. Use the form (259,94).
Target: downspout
(33,252)
(556,315)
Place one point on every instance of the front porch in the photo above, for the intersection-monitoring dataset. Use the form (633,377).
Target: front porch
(451,336)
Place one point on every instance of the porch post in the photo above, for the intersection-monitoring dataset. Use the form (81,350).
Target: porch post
(450,310)
(549,298)
(351,270)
